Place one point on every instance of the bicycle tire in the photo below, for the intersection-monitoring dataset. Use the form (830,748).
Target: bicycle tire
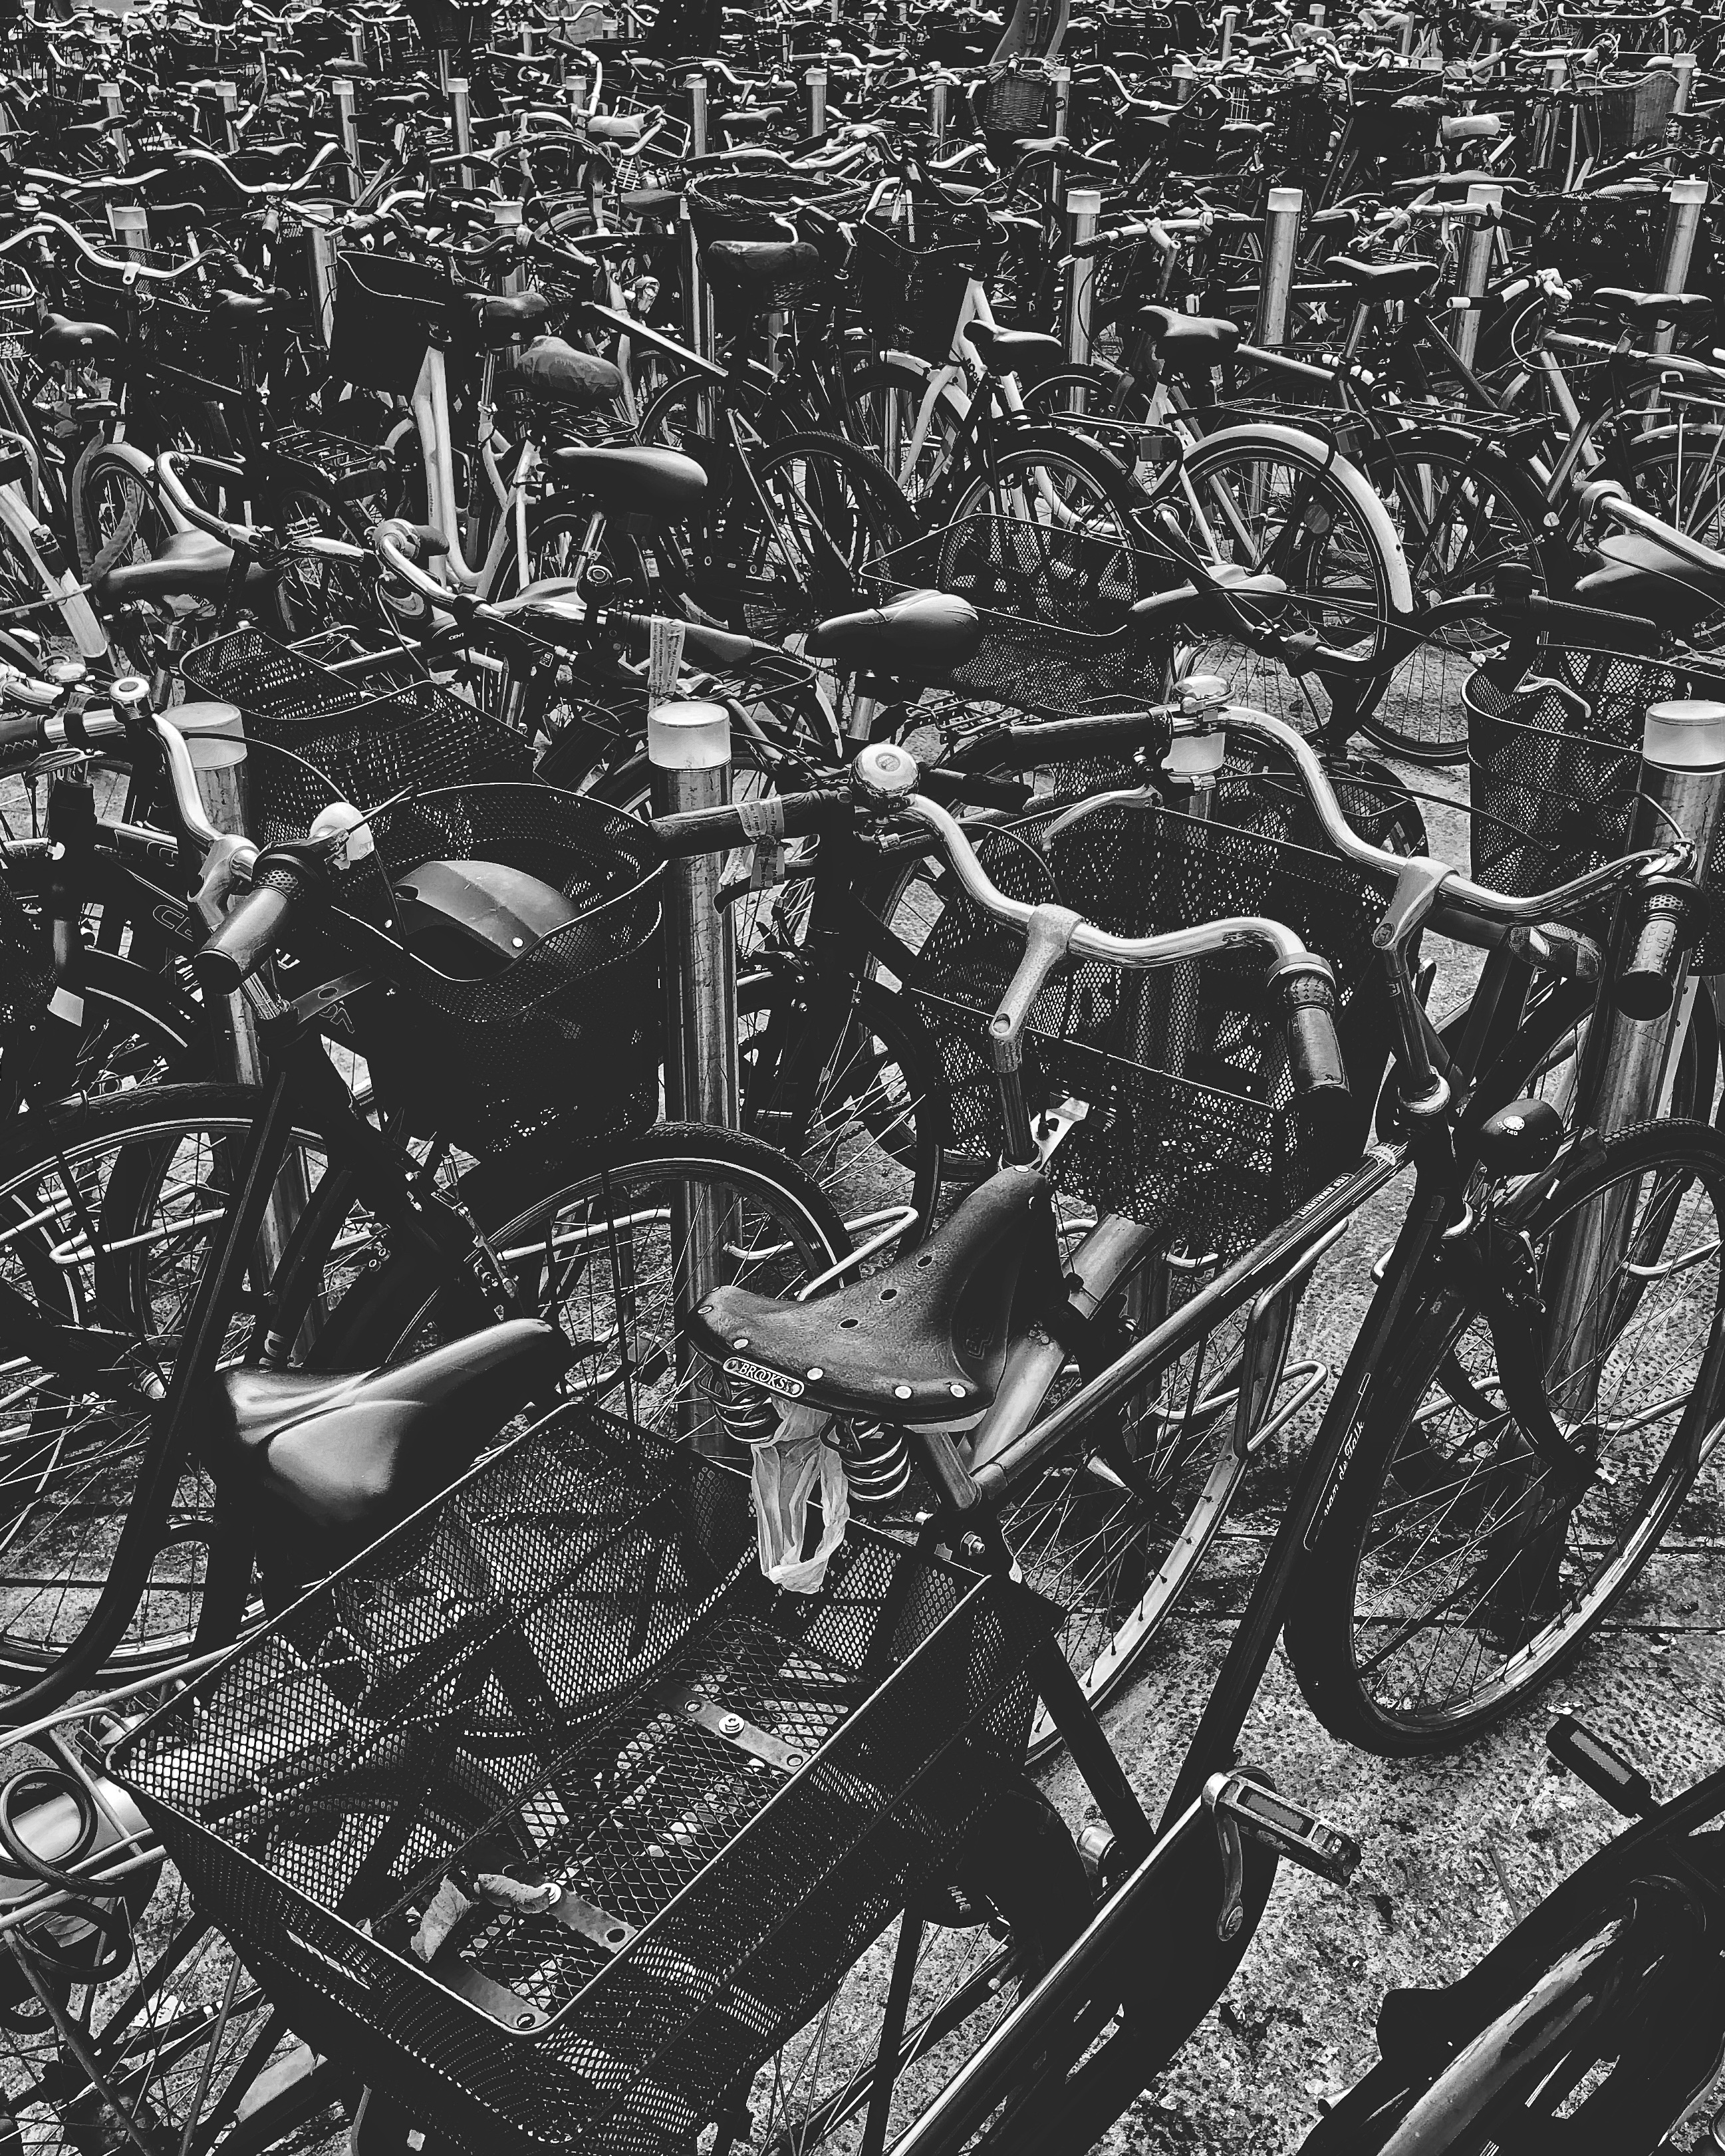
(1425,476)
(1524,1624)
(1340,558)
(118,1162)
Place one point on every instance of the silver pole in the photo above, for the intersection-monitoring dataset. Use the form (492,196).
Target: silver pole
(347,129)
(228,105)
(1084,206)
(1061,78)
(1476,270)
(1687,199)
(321,260)
(1682,785)
(1230,23)
(696,84)
(357,44)
(816,80)
(1281,236)
(937,109)
(461,124)
(1682,65)
(689,749)
(1185,78)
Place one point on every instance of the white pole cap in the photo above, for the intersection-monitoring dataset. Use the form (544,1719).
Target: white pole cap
(1686,734)
(693,736)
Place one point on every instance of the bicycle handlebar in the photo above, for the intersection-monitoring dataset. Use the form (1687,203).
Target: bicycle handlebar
(255,926)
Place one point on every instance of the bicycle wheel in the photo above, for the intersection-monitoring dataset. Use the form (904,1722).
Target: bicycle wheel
(1457,1567)
(143,2031)
(807,522)
(616,1251)
(107,1215)
(1051,482)
(1678,472)
(1274,499)
(908,415)
(1462,513)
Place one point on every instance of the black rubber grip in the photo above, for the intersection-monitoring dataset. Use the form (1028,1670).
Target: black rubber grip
(1621,632)
(20,733)
(719,647)
(253,929)
(717,830)
(1304,993)
(1661,920)
(974,789)
(1029,745)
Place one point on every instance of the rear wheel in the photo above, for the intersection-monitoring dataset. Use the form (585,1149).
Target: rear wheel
(1458,1567)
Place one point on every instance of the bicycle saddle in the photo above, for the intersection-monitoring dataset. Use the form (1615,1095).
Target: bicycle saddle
(1187,340)
(625,478)
(61,338)
(353,1454)
(190,565)
(500,318)
(1638,575)
(1643,307)
(555,373)
(924,1342)
(1003,352)
(919,638)
(649,202)
(241,313)
(1378,281)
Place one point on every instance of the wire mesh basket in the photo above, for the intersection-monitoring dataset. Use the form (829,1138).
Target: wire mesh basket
(387,311)
(909,276)
(327,737)
(26,971)
(1554,765)
(565,1036)
(764,205)
(1191,1124)
(1055,599)
(571,1670)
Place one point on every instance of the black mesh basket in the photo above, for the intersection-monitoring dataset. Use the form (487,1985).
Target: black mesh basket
(910,278)
(568,1034)
(571,1668)
(1554,765)
(387,312)
(26,973)
(1191,1122)
(321,737)
(1055,601)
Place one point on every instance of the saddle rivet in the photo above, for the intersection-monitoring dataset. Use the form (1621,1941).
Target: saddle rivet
(956,1391)
(817,1372)
(900,1392)
(742,1341)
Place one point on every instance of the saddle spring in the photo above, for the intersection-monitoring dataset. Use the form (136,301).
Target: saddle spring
(877,1462)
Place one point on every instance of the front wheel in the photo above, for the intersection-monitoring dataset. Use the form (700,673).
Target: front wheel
(1459,1567)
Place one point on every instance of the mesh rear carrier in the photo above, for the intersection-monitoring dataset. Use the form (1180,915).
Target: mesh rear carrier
(1554,765)
(503,1686)
(1192,1120)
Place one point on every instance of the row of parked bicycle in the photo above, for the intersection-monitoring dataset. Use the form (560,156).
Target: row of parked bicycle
(715,905)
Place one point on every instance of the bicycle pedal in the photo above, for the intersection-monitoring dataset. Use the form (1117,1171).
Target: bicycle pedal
(1280,1824)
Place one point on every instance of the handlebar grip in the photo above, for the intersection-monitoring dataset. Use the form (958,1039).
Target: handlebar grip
(1629,632)
(24,732)
(973,789)
(1044,740)
(1304,990)
(254,928)
(1661,920)
(775,815)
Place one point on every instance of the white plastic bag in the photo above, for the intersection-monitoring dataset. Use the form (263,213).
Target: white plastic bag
(786,1466)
